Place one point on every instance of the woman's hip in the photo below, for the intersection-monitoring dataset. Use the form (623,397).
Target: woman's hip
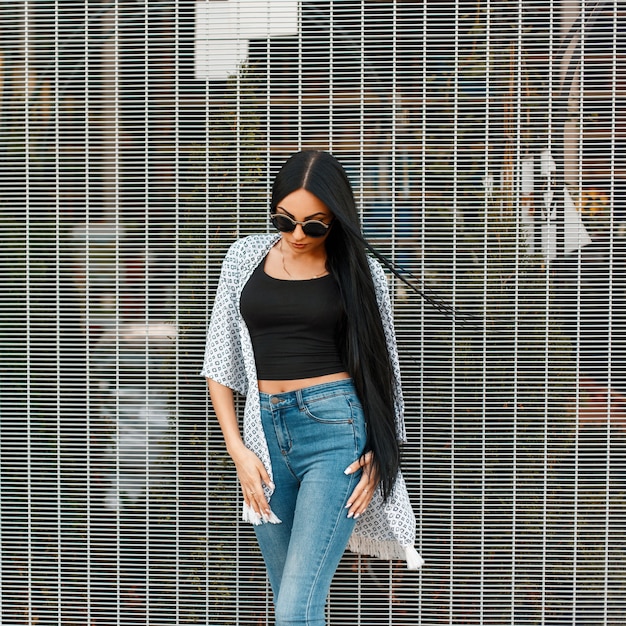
(321,419)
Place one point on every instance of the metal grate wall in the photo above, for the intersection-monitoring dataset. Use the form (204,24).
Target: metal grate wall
(485,141)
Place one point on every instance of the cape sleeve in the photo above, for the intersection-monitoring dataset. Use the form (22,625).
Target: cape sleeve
(386,313)
(223,357)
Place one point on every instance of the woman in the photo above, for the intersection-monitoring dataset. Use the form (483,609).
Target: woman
(302,326)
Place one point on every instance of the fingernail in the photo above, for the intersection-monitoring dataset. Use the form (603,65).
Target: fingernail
(350,514)
(347,470)
(357,515)
(348,505)
(272,486)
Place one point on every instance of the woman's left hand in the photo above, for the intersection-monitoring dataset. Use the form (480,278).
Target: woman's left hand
(364,491)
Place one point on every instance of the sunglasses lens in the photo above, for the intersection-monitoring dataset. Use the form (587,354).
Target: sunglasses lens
(314,230)
(283,223)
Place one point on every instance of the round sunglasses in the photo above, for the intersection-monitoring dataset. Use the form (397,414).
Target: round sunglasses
(311,228)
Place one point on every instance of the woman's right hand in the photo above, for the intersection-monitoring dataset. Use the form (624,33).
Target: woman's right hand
(252,476)
(252,473)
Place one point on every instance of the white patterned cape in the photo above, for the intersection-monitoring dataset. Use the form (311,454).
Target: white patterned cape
(386,530)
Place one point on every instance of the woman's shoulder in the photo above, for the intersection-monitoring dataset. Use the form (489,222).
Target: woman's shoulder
(251,245)
(245,254)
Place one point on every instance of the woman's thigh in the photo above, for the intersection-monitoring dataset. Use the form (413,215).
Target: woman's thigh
(319,535)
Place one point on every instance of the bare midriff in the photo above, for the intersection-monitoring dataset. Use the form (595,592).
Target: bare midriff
(282,386)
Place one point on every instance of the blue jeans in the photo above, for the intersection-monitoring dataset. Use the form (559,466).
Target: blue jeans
(313,435)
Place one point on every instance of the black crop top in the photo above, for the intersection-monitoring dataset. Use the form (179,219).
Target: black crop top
(293,325)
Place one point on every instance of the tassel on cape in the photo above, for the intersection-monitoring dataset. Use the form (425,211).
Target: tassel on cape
(250,515)
(413,558)
(386,550)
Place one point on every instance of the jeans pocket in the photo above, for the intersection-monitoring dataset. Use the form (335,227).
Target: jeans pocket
(330,410)
(337,423)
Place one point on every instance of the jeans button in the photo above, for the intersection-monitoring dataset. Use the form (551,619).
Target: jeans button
(274,400)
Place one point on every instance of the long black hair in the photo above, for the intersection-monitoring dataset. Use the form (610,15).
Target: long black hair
(362,336)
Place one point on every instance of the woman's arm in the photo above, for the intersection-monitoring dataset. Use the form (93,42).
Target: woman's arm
(250,470)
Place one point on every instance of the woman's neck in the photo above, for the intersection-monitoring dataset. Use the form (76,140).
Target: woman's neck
(283,262)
